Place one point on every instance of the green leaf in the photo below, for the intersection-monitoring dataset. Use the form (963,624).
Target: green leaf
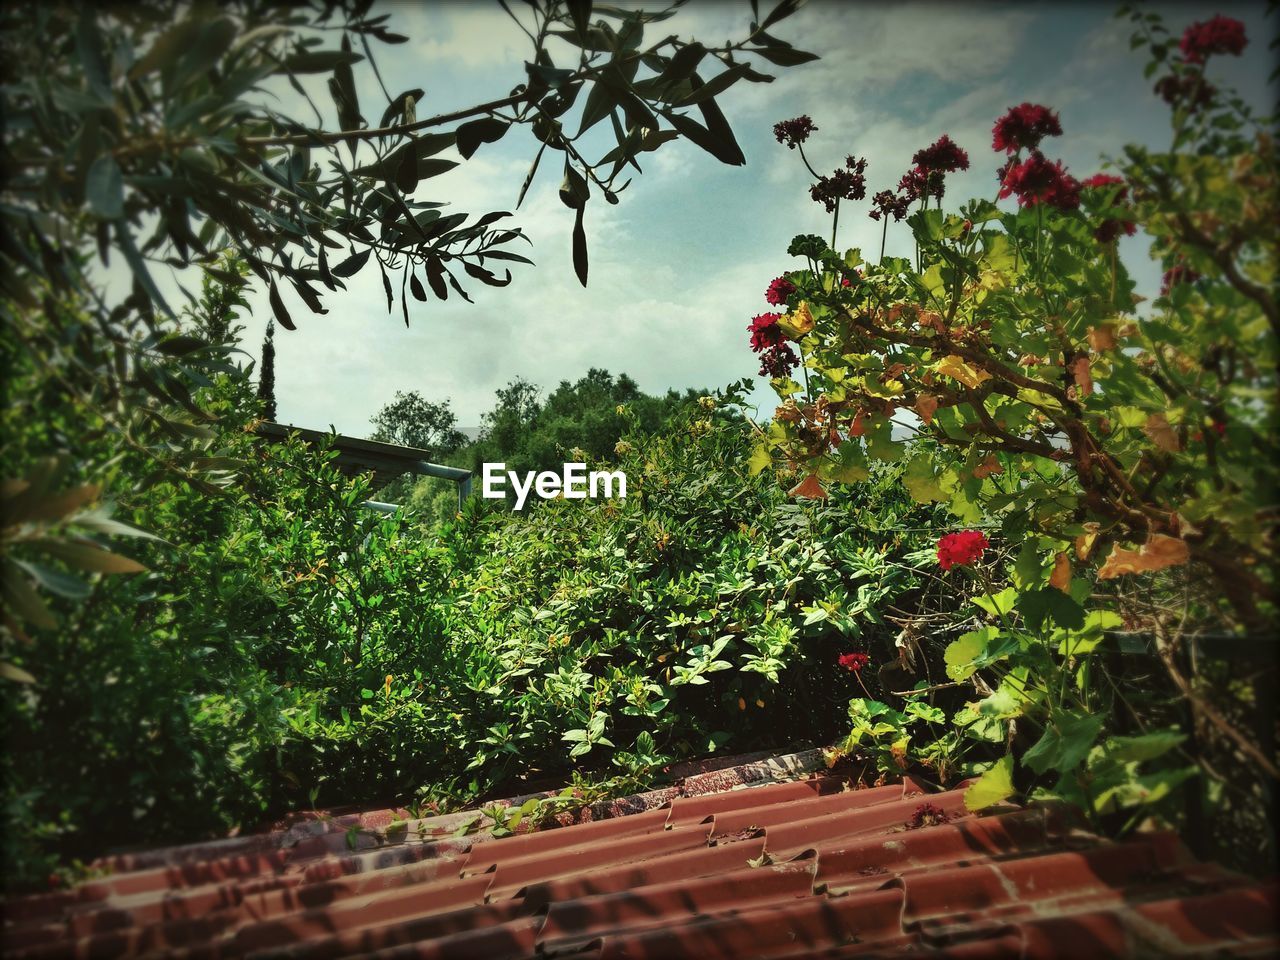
(1148,746)
(104,188)
(89,557)
(966,648)
(55,581)
(923,485)
(1066,741)
(994,786)
(999,604)
(1050,603)
(15,673)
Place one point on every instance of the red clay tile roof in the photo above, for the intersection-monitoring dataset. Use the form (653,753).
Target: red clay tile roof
(710,867)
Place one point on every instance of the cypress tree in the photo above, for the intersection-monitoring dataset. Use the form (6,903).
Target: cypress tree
(267,375)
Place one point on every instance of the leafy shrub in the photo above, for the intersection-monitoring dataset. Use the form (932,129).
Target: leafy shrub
(1100,440)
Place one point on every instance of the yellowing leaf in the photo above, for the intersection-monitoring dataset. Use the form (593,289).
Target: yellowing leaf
(760,459)
(797,323)
(1156,554)
(987,467)
(809,488)
(1084,542)
(1161,434)
(957,368)
(1061,576)
(1102,338)
(926,405)
(1083,378)
(992,787)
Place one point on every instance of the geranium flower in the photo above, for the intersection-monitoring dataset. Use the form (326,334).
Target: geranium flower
(794,132)
(1219,35)
(765,331)
(931,165)
(943,156)
(779,290)
(1036,180)
(854,662)
(961,549)
(847,183)
(777,359)
(1023,127)
(886,203)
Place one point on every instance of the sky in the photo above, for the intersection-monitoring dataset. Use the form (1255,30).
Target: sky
(680,265)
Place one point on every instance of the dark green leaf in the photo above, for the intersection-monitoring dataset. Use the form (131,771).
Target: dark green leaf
(104,188)
(784,57)
(1066,741)
(351,266)
(435,277)
(574,191)
(277,307)
(580,11)
(580,247)
(726,151)
(395,109)
(485,130)
(1050,603)
(320,61)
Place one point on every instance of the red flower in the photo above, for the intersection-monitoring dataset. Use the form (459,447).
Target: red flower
(854,661)
(1219,35)
(1101,180)
(1036,180)
(1023,127)
(942,156)
(886,202)
(765,332)
(961,549)
(1108,230)
(794,132)
(778,291)
(767,339)
(778,361)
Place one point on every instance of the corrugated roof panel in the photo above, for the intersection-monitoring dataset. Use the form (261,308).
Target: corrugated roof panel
(799,868)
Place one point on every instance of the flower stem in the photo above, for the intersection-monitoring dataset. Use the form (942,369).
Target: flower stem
(835,223)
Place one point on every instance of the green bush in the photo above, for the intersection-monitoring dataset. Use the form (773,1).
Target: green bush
(288,648)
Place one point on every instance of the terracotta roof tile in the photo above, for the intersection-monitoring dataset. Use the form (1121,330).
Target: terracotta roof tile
(796,866)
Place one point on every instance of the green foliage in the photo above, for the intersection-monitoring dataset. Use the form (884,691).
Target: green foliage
(285,648)
(413,421)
